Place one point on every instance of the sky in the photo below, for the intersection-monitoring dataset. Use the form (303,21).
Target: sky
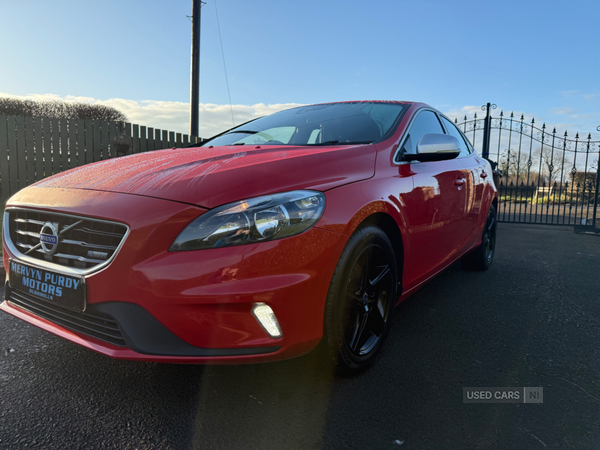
(537,58)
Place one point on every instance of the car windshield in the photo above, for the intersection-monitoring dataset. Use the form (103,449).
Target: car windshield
(326,124)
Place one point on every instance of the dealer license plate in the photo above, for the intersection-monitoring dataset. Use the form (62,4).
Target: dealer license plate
(52,287)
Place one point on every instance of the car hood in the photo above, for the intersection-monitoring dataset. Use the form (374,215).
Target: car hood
(210,177)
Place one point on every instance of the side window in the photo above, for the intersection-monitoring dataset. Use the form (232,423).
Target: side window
(453,131)
(426,122)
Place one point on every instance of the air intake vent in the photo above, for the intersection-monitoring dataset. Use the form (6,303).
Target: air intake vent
(95,324)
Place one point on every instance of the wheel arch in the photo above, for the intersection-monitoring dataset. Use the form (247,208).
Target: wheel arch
(390,227)
(333,344)
(387,213)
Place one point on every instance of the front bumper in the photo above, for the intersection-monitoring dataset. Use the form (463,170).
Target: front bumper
(195,306)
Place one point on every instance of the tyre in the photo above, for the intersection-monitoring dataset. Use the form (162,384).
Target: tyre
(482,257)
(360,301)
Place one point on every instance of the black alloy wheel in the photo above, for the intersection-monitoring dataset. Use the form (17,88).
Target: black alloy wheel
(482,257)
(489,239)
(361,299)
(367,291)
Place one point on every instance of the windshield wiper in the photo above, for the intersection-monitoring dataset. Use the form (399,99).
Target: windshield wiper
(342,143)
(326,143)
(243,131)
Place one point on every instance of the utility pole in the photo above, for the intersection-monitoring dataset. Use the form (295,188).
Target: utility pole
(195,70)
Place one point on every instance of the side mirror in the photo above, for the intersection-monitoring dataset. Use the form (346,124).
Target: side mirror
(435,147)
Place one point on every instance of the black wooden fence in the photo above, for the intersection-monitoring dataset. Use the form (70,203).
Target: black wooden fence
(33,148)
(548,177)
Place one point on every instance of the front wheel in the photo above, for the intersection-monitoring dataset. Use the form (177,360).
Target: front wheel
(481,258)
(360,300)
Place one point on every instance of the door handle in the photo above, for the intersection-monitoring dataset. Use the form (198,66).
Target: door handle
(484,175)
(459,182)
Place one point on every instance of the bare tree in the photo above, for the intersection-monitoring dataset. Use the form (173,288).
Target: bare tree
(59,110)
(513,164)
(551,163)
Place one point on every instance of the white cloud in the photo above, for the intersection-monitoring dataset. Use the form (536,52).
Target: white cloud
(569,93)
(468,111)
(174,116)
(563,110)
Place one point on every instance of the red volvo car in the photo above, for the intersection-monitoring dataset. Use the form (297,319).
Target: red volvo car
(305,226)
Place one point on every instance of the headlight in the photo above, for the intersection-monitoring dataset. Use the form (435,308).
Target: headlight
(255,220)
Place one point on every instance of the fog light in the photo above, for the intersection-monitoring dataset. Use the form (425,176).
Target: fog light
(266,317)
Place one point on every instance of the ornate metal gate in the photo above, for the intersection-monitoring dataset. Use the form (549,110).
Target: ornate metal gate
(547,177)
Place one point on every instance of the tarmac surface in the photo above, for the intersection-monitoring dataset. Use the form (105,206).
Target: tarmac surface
(531,320)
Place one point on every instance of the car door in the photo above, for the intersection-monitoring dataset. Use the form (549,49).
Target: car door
(475,182)
(435,208)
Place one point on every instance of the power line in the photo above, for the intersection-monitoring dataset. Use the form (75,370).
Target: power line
(224,66)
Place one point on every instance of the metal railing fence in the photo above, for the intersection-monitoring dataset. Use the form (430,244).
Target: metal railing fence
(547,177)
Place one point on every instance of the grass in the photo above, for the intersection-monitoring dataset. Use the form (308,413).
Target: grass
(552,200)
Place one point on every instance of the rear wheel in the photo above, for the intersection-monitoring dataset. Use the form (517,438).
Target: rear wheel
(360,301)
(481,258)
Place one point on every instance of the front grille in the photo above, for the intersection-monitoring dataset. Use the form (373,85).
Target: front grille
(98,325)
(83,243)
